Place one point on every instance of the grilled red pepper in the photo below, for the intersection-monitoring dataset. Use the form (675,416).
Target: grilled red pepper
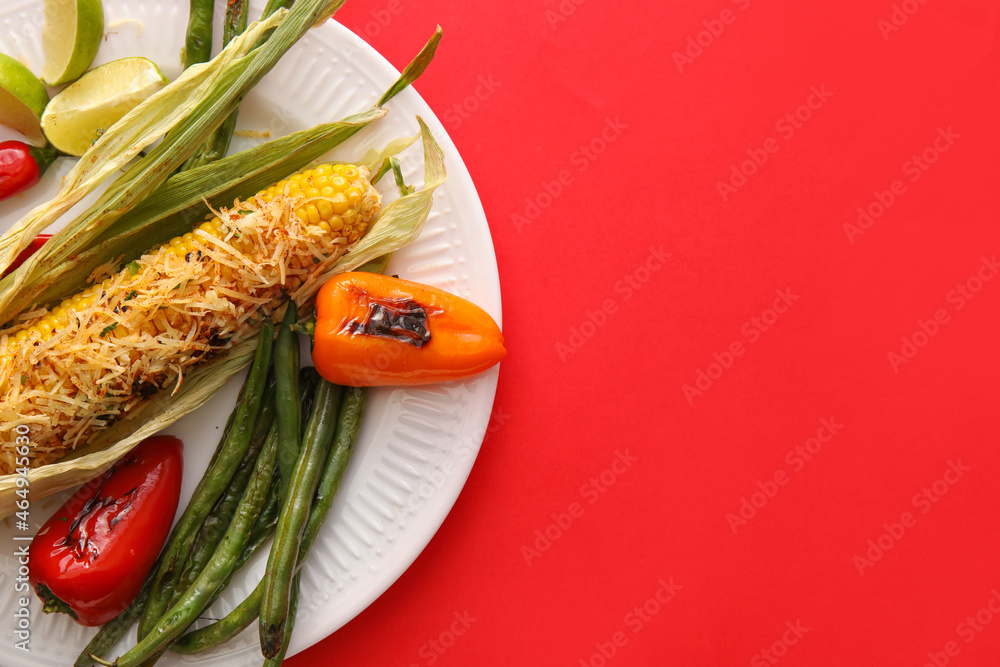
(22,165)
(89,560)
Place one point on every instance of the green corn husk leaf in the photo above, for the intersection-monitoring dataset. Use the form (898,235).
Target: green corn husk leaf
(235,77)
(416,67)
(142,126)
(374,157)
(163,409)
(158,413)
(397,225)
(180,202)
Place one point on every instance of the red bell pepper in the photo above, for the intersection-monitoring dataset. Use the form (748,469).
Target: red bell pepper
(90,558)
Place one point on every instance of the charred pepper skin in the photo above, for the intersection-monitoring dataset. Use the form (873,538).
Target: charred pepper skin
(91,557)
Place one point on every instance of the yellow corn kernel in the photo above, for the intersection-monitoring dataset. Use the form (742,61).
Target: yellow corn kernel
(339,203)
(325,209)
(332,200)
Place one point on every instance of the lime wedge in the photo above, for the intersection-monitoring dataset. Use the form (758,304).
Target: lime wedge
(22,99)
(71,36)
(77,116)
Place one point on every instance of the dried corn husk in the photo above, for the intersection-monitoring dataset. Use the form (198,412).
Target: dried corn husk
(398,224)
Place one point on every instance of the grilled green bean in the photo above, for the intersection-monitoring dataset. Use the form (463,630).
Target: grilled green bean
(212,485)
(294,514)
(219,518)
(288,399)
(196,598)
(293,607)
(198,41)
(348,425)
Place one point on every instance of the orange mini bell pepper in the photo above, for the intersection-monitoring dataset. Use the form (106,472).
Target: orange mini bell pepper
(374,330)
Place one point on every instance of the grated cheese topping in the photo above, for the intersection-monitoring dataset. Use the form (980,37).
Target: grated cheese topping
(152,320)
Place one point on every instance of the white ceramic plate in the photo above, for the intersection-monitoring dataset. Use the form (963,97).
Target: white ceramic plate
(417,446)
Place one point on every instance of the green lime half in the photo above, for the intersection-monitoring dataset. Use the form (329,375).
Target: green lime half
(71,36)
(22,99)
(77,116)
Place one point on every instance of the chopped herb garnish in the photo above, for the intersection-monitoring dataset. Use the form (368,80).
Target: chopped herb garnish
(108,329)
(133,267)
(24,379)
(244,212)
(131,295)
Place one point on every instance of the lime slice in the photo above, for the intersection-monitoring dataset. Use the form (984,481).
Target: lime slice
(78,115)
(71,36)
(22,99)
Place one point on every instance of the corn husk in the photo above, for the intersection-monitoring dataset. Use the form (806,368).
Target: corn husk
(397,225)
(62,266)
(101,453)
(185,199)
(122,142)
(184,113)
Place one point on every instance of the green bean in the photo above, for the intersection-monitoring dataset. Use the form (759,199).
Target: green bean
(348,425)
(275,5)
(218,520)
(198,595)
(112,631)
(293,607)
(264,527)
(211,486)
(288,400)
(217,145)
(236,19)
(294,514)
(198,42)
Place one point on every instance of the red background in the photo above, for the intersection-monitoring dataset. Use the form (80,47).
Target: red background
(598,366)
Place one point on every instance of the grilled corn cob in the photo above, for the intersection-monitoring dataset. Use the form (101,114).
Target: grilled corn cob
(77,367)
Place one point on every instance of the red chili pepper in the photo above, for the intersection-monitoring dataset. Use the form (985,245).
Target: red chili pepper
(376,330)
(22,165)
(89,560)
